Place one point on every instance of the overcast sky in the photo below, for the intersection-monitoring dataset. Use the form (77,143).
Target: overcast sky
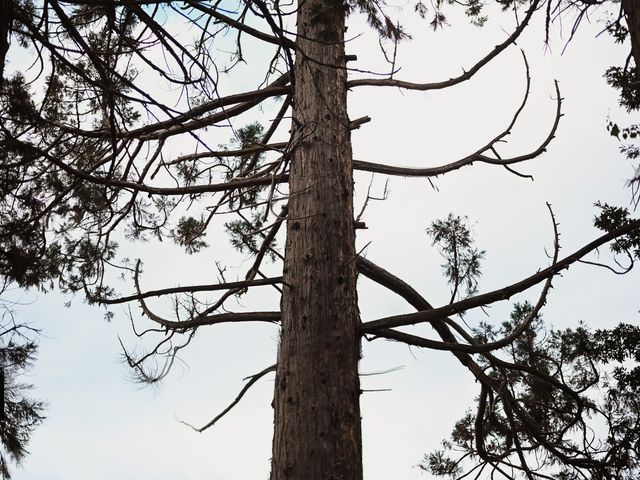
(102,426)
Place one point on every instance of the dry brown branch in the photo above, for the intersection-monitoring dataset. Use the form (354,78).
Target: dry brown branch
(242,27)
(232,184)
(500,294)
(479,156)
(252,380)
(489,346)
(489,385)
(190,289)
(468,74)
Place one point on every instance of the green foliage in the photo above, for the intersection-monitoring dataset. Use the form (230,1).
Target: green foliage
(378,19)
(554,377)
(630,149)
(611,218)
(22,414)
(438,463)
(57,226)
(71,168)
(189,233)
(44,210)
(627,80)
(86,259)
(618,31)
(462,260)
(474,9)
(246,137)
(19,105)
(26,256)
(245,234)
(632,152)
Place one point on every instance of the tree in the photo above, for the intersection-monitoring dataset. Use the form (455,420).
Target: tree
(90,158)
(627,78)
(19,415)
(623,27)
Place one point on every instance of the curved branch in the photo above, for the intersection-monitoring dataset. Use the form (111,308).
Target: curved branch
(253,149)
(201,320)
(169,127)
(398,286)
(458,349)
(229,317)
(478,156)
(177,128)
(280,41)
(190,289)
(169,191)
(188,121)
(479,425)
(256,148)
(391,82)
(532,428)
(490,346)
(406,291)
(252,379)
(208,317)
(255,267)
(500,294)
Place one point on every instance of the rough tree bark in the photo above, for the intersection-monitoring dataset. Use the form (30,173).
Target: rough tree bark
(317,414)
(631,9)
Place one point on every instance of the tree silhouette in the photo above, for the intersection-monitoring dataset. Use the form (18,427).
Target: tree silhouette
(19,415)
(90,159)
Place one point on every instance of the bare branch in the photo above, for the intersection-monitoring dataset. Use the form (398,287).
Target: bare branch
(252,380)
(229,317)
(189,121)
(490,346)
(500,294)
(478,156)
(391,82)
(232,184)
(202,319)
(252,149)
(489,384)
(190,289)
(406,291)
(281,41)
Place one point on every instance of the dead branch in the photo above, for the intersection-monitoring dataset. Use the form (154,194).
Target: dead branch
(490,346)
(468,74)
(500,294)
(190,289)
(240,26)
(232,184)
(478,156)
(252,380)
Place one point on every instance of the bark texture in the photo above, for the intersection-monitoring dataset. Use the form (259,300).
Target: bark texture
(317,413)
(631,9)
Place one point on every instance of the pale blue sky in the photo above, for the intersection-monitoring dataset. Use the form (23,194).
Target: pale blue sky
(100,426)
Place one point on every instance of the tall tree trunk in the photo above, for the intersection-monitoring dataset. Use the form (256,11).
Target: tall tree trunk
(317,413)
(6,16)
(631,9)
